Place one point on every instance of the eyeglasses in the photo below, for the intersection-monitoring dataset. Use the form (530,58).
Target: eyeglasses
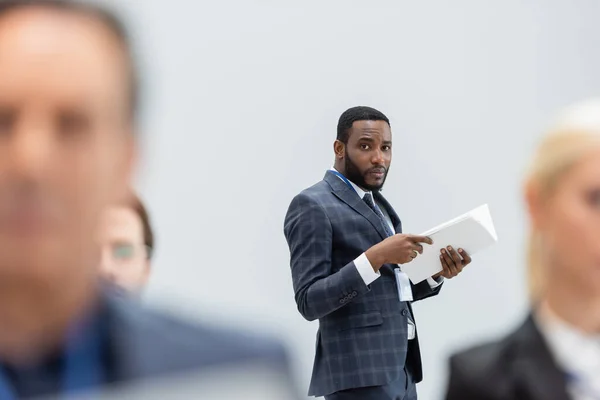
(123,252)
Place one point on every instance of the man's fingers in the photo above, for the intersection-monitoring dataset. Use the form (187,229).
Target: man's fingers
(466,257)
(420,239)
(453,261)
(455,257)
(417,247)
(450,262)
(446,273)
(409,257)
(447,258)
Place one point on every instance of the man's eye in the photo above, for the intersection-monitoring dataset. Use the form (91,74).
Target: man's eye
(594,198)
(73,124)
(365,146)
(386,148)
(123,252)
(7,121)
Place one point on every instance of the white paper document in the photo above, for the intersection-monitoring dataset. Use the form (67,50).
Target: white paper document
(473,232)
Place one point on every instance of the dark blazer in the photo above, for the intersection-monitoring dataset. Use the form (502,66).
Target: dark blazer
(362,338)
(144,344)
(143,347)
(518,367)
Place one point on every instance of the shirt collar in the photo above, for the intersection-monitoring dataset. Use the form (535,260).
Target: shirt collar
(361,193)
(574,350)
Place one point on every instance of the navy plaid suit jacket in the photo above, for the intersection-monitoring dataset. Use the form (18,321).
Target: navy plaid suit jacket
(363,336)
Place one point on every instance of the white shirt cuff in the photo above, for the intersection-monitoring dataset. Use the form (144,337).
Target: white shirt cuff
(365,269)
(433,283)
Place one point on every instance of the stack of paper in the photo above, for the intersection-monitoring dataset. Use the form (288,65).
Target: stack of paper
(473,231)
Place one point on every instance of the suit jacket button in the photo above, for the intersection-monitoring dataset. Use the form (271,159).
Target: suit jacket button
(405,312)
(354,293)
(342,301)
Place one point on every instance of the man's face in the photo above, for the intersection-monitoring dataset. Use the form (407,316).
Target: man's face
(65,143)
(124,256)
(368,154)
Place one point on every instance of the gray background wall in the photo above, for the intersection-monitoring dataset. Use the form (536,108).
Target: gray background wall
(242,103)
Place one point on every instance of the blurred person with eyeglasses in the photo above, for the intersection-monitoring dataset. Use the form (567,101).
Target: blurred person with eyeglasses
(126,243)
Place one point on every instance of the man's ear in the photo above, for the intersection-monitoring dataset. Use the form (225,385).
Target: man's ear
(339,149)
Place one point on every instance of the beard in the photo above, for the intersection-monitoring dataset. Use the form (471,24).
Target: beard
(354,174)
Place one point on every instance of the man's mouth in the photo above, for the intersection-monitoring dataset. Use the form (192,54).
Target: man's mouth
(27,215)
(377,172)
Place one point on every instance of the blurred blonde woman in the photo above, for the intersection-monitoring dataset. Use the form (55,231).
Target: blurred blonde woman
(555,353)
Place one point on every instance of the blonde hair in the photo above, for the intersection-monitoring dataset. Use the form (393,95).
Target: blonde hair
(574,133)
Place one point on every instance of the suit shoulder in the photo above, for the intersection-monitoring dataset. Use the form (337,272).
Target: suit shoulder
(481,371)
(312,199)
(187,345)
(207,338)
(481,359)
(314,192)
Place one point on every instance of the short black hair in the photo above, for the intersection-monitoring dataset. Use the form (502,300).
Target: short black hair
(107,17)
(360,113)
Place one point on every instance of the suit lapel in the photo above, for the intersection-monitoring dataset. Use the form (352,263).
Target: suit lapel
(535,371)
(349,196)
(390,210)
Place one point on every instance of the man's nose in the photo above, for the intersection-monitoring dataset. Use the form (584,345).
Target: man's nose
(30,150)
(105,265)
(378,157)
(107,272)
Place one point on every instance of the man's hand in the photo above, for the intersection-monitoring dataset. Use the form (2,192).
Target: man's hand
(397,249)
(453,262)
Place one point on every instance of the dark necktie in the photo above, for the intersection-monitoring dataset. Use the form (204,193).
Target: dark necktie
(368,198)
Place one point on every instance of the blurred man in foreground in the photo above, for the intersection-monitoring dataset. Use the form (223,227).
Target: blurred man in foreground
(67,149)
(126,243)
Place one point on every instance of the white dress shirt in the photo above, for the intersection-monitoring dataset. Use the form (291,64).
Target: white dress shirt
(575,352)
(364,267)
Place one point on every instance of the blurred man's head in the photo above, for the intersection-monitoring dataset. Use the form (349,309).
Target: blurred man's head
(126,241)
(67,106)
